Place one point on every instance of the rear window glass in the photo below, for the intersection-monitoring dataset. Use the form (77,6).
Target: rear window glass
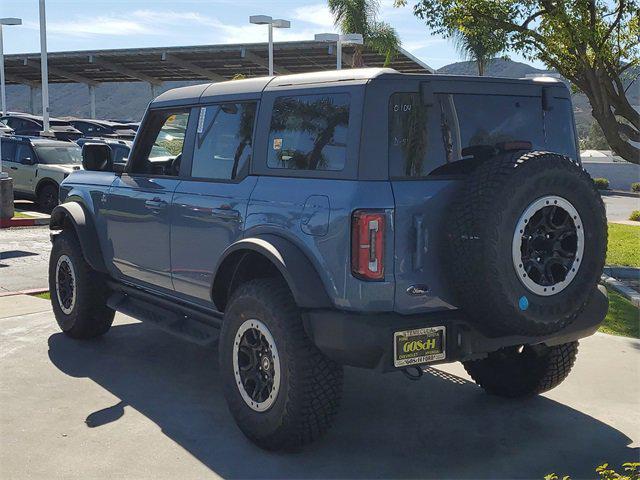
(462,126)
(309,132)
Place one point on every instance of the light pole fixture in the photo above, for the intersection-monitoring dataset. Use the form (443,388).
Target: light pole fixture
(347,38)
(3,94)
(5,21)
(44,69)
(273,23)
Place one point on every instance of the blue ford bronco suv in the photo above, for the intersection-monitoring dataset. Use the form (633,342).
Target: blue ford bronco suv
(358,217)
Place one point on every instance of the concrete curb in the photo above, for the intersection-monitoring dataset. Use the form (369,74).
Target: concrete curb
(23,222)
(622,193)
(629,293)
(31,291)
(623,273)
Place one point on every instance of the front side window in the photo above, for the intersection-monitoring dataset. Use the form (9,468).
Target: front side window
(223,140)
(120,153)
(159,151)
(58,155)
(309,132)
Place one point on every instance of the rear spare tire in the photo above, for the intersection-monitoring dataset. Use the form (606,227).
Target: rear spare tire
(528,243)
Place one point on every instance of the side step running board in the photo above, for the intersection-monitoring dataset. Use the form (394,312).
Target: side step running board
(183,325)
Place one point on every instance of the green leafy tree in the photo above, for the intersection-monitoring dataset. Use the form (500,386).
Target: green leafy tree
(595,139)
(360,16)
(595,44)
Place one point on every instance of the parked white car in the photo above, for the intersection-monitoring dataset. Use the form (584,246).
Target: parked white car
(38,166)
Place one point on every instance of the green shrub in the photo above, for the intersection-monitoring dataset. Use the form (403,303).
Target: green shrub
(605,473)
(635,216)
(601,183)
(635,187)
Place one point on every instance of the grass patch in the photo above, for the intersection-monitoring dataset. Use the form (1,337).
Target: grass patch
(623,245)
(623,318)
(45,295)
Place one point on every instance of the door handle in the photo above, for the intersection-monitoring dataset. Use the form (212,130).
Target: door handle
(156,205)
(225,213)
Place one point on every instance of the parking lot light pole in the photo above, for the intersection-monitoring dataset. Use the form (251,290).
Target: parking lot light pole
(3,94)
(272,23)
(347,38)
(44,68)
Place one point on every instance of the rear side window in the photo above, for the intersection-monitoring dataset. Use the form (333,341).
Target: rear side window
(223,140)
(457,127)
(309,132)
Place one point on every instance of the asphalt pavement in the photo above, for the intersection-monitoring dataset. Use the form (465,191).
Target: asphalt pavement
(139,403)
(24,258)
(619,207)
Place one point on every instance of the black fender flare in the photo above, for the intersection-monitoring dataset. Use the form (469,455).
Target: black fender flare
(295,267)
(74,214)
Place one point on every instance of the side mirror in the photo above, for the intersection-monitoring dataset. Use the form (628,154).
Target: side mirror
(26,161)
(97,157)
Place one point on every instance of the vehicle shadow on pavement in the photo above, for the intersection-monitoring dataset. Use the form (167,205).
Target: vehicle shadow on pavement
(388,427)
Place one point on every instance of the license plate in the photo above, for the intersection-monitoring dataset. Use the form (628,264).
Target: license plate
(422,345)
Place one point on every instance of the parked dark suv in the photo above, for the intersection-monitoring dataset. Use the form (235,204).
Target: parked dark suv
(32,125)
(360,217)
(103,128)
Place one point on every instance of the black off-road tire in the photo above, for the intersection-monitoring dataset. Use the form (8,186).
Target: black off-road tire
(533,370)
(88,316)
(484,218)
(311,384)
(48,197)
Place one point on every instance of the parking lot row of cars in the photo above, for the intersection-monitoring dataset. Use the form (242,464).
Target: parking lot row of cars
(38,164)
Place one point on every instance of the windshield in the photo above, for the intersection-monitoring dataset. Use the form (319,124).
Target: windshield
(59,155)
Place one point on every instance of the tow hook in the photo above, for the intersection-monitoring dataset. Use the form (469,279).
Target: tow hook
(413,376)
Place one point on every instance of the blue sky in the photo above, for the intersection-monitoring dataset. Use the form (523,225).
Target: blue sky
(100,24)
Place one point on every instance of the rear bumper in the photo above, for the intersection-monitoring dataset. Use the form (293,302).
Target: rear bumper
(366,341)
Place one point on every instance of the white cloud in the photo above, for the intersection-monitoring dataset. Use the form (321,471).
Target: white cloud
(317,14)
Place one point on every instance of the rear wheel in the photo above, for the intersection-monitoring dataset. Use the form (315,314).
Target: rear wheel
(48,197)
(521,371)
(282,391)
(78,293)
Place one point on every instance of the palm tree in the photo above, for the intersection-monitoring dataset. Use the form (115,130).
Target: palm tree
(479,45)
(360,16)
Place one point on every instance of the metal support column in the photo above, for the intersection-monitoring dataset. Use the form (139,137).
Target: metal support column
(92,101)
(33,90)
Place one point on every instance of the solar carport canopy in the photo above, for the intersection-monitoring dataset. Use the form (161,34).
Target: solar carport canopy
(207,62)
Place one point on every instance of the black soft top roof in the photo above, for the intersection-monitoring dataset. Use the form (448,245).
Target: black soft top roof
(255,86)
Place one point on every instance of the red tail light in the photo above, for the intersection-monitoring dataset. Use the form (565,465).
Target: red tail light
(367,244)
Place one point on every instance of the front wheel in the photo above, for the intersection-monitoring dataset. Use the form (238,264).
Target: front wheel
(523,370)
(78,293)
(281,390)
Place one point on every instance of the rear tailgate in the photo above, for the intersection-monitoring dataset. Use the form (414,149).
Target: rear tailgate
(420,240)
